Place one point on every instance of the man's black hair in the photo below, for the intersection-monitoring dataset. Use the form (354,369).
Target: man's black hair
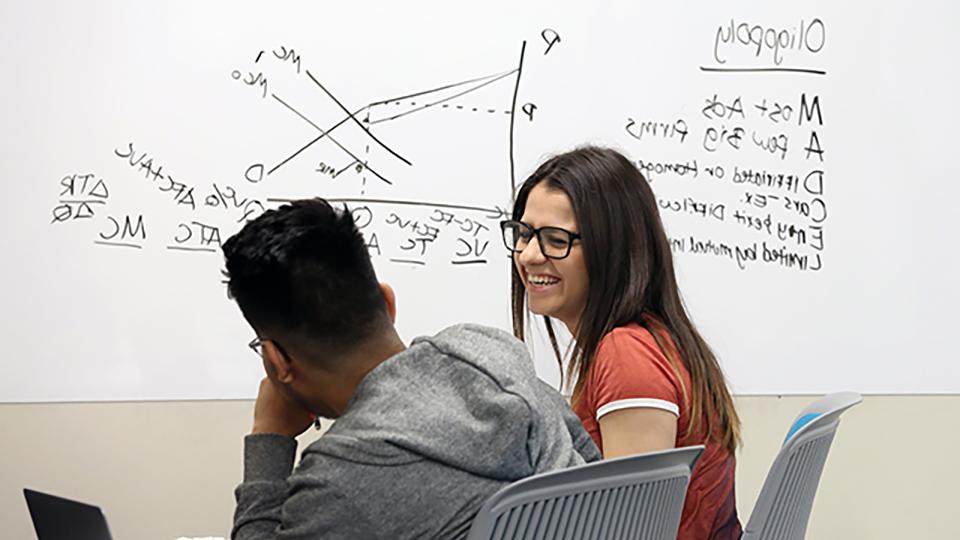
(301,274)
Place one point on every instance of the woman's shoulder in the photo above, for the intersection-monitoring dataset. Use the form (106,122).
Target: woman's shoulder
(630,342)
(633,330)
(630,369)
(633,335)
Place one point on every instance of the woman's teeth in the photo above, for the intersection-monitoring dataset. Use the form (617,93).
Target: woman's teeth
(543,280)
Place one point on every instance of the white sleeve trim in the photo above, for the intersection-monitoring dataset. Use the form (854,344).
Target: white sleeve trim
(638,403)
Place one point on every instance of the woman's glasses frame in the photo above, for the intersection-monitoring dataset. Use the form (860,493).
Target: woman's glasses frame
(514,231)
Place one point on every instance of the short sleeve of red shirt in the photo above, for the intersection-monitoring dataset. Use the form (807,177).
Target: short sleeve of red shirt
(628,371)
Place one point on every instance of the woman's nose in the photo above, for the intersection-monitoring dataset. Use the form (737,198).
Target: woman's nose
(531,253)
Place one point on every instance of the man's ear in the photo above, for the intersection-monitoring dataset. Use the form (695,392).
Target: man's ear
(391,299)
(276,363)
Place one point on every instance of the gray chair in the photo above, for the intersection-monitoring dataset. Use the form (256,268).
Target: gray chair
(637,496)
(783,506)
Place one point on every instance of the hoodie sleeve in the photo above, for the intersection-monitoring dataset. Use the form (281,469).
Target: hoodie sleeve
(582,442)
(273,503)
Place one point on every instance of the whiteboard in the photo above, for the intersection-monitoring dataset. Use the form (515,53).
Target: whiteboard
(801,156)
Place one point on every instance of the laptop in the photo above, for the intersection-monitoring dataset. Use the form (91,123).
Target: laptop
(56,518)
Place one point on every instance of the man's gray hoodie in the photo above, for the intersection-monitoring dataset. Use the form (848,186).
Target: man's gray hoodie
(427,437)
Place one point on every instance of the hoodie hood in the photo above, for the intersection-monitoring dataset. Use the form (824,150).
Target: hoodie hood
(467,398)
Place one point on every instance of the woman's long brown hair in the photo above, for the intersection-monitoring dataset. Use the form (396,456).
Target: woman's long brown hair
(631,280)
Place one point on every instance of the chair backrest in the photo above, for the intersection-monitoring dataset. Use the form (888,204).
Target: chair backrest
(783,506)
(637,496)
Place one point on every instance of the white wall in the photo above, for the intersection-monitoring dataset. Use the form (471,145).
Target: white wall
(87,84)
(165,469)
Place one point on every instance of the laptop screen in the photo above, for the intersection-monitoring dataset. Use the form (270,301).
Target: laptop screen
(56,518)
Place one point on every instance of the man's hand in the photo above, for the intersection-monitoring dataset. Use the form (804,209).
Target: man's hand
(276,413)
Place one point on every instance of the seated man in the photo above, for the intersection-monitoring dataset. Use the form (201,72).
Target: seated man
(424,435)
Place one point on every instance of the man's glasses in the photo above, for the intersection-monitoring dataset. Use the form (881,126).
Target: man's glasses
(256,344)
(554,242)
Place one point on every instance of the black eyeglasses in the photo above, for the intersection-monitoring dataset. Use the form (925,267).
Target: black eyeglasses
(256,344)
(554,242)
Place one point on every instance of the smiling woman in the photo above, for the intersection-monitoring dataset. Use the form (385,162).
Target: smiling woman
(550,264)
(590,251)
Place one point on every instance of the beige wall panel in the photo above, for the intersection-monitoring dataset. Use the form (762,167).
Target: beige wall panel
(163,470)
